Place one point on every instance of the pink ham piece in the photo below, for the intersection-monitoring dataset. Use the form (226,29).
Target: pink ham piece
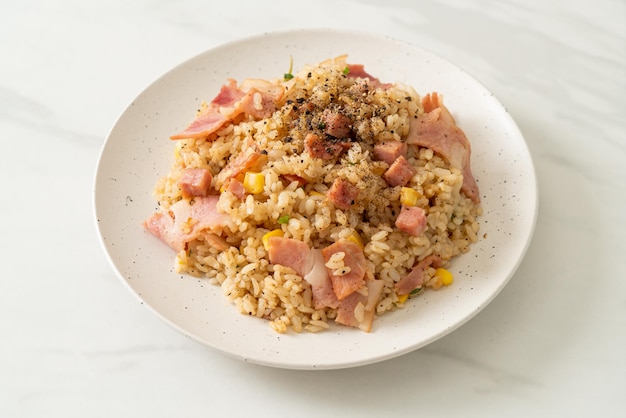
(236,187)
(290,253)
(211,119)
(195,182)
(346,284)
(412,220)
(255,98)
(437,130)
(293,177)
(336,124)
(261,97)
(248,158)
(415,278)
(321,285)
(347,312)
(358,71)
(389,151)
(400,172)
(308,263)
(343,193)
(187,221)
(325,149)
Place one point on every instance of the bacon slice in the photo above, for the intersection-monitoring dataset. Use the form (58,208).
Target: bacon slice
(412,220)
(290,253)
(186,221)
(211,119)
(347,312)
(261,97)
(437,130)
(321,285)
(247,159)
(415,278)
(358,71)
(346,284)
(255,98)
(195,182)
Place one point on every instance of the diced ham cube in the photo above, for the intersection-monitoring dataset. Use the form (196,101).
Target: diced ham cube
(415,278)
(195,182)
(343,193)
(236,187)
(400,172)
(412,220)
(336,124)
(293,177)
(389,151)
(321,148)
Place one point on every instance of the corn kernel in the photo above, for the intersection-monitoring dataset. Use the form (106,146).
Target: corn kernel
(408,196)
(267,236)
(254,182)
(444,275)
(356,238)
(403,298)
(316,193)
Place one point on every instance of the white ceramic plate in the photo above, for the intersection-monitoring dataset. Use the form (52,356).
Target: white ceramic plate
(138,152)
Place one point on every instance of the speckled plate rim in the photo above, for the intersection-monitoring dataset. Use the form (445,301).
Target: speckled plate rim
(137,152)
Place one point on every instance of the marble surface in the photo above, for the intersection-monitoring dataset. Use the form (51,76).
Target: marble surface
(76,343)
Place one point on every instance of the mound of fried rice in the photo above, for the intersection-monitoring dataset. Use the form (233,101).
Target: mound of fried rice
(302,210)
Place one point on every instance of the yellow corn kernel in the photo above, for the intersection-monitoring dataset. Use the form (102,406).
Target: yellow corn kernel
(254,182)
(444,275)
(403,298)
(408,196)
(267,236)
(356,238)
(316,193)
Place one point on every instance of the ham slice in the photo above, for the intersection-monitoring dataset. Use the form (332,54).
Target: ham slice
(412,220)
(211,119)
(437,130)
(358,71)
(290,253)
(255,98)
(248,158)
(415,278)
(346,284)
(187,221)
(351,314)
(195,182)
(321,285)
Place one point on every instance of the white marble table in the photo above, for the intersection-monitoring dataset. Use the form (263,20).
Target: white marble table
(76,343)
